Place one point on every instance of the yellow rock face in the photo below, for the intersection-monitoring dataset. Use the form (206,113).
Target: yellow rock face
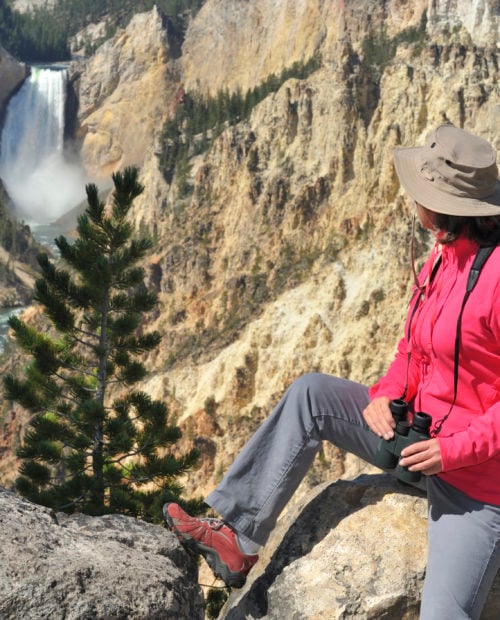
(125,91)
(244,43)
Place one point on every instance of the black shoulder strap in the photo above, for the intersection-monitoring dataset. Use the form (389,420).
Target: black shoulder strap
(481,257)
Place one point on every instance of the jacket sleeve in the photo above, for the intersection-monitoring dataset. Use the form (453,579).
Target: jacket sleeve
(480,440)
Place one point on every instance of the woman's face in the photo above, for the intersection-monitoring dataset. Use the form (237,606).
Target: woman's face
(426,217)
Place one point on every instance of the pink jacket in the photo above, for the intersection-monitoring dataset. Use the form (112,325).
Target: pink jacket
(470,438)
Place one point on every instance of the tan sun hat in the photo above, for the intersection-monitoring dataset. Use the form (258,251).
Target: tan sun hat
(454,173)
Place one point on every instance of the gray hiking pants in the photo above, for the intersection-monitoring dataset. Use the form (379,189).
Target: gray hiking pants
(464,534)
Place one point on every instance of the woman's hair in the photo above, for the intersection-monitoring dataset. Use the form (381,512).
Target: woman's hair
(479,228)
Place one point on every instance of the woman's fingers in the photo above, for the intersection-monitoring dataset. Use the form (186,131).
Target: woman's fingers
(379,418)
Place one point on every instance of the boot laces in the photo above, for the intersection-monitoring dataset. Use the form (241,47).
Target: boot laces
(214,524)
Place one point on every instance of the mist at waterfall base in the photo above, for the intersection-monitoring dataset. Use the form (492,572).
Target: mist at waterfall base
(34,165)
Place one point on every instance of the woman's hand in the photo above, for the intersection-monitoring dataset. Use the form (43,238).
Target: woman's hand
(423,456)
(379,418)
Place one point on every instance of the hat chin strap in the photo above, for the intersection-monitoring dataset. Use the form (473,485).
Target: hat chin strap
(412,248)
(418,286)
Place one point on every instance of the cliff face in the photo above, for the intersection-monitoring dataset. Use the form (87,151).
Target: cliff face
(12,74)
(124,93)
(479,18)
(246,42)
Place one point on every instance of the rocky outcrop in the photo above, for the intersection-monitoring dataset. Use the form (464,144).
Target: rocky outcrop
(124,91)
(480,18)
(24,6)
(12,74)
(74,567)
(349,550)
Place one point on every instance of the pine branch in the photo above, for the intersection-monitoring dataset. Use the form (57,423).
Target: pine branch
(87,345)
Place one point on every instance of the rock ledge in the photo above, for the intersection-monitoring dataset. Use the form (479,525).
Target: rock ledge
(73,567)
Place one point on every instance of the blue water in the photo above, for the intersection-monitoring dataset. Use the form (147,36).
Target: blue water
(5,313)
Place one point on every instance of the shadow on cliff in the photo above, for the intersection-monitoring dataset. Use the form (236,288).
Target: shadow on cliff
(310,527)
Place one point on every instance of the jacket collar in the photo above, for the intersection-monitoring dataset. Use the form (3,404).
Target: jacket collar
(459,251)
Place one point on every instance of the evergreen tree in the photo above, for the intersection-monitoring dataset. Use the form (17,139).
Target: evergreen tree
(95,442)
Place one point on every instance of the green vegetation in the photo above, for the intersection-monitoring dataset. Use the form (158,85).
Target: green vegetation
(95,443)
(379,49)
(17,240)
(199,120)
(32,37)
(42,35)
(215,600)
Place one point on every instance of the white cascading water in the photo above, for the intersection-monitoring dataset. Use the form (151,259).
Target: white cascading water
(33,167)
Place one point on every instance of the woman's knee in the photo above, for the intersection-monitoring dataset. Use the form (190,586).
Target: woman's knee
(308,381)
(325,391)
(310,390)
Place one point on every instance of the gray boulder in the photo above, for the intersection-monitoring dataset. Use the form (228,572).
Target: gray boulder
(73,567)
(349,550)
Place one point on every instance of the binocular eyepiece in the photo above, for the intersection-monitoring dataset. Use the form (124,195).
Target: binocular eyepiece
(389,450)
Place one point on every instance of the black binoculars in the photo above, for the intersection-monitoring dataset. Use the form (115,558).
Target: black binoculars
(389,450)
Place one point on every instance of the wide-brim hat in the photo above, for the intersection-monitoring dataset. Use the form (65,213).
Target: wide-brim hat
(454,173)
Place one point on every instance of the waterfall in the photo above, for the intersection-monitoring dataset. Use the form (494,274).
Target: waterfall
(41,181)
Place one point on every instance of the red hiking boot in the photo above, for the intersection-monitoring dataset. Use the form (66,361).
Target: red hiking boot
(215,541)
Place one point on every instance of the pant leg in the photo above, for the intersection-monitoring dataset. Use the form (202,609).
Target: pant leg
(463,553)
(266,473)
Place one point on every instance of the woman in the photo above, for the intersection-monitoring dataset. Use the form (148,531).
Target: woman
(447,365)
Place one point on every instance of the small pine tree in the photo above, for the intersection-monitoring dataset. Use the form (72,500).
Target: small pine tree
(95,442)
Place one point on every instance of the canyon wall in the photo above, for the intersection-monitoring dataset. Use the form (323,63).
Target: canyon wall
(285,249)
(245,42)
(282,247)
(12,75)
(480,18)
